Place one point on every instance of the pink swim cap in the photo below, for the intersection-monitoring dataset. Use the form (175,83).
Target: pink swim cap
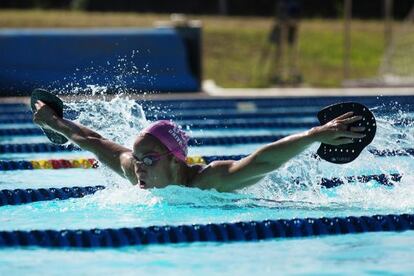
(171,136)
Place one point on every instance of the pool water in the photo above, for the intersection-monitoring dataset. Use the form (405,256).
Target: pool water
(276,197)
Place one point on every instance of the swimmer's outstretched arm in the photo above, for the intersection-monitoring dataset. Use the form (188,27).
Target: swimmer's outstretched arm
(232,175)
(111,154)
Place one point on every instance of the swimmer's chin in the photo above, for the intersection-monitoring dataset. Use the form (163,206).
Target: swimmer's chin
(144,185)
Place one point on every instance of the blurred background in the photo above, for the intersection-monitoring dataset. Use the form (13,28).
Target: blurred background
(261,43)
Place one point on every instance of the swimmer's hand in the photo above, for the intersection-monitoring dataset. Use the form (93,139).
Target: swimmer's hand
(337,131)
(44,116)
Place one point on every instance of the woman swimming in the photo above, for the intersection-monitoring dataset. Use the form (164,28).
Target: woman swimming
(158,157)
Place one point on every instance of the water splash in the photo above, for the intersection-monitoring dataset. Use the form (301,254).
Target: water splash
(120,75)
(391,134)
(121,118)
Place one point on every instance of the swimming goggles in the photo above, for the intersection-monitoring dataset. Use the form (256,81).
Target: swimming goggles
(151,159)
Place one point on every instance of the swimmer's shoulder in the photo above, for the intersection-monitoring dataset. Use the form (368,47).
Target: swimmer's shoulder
(194,174)
(207,176)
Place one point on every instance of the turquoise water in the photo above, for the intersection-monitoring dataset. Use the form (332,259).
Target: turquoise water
(122,205)
(366,254)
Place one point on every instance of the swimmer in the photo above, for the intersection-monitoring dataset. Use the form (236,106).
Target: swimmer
(158,156)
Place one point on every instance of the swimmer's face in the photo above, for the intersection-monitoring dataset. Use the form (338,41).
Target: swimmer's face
(153,162)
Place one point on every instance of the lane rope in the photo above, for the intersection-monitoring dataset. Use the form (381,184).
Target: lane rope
(23,196)
(205,125)
(214,232)
(205,141)
(12,165)
(91,163)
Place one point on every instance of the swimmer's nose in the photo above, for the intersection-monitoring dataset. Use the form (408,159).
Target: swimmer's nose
(139,168)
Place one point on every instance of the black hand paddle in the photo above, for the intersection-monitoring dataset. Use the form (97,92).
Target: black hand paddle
(348,152)
(57,105)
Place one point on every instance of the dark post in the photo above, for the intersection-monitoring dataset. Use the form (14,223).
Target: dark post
(347,37)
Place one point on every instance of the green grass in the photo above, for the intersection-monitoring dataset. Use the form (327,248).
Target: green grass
(236,50)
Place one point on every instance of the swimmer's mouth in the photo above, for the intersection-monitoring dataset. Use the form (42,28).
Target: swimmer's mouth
(142,184)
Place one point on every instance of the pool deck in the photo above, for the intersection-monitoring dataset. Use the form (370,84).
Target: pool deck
(210,91)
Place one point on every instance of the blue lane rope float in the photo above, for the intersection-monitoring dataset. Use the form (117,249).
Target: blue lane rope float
(12,105)
(388,152)
(34,131)
(47,147)
(272,102)
(23,196)
(252,104)
(230,115)
(29,119)
(26,118)
(252,123)
(181,115)
(383,179)
(204,125)
(20,131)
(17,112)
(10,165)
(202,141)
(37,147)
(200,112)
(214,232)
(201,124)
(258,122)
(20,119)
(13,110)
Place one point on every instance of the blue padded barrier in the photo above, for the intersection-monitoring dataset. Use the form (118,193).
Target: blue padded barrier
(21,196)
(148,59)
(215,232)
